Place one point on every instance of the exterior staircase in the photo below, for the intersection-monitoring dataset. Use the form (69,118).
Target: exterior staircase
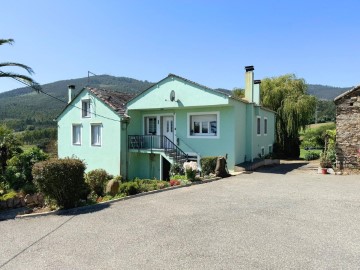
(159,143)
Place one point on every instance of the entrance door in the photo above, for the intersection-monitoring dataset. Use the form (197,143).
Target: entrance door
(168,127)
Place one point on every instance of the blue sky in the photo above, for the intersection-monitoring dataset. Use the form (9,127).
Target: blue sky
(209,42)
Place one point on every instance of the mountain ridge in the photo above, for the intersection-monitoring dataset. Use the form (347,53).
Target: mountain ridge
(23,104)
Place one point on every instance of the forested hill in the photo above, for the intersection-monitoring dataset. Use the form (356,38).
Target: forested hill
(22,107)
(325,91)
(25,105)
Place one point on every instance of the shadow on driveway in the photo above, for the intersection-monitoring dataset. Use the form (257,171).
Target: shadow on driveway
(282,168)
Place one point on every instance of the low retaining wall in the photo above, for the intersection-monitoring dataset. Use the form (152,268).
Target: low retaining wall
(28,200)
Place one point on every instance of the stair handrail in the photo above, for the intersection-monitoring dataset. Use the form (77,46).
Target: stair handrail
(179,151)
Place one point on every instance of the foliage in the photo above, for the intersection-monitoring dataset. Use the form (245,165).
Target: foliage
(325,111)
(18,171)
(208,165)
(176,169)
(61,180)
(311,155)
(174,182)
(141,185)
(9,195)
(9,146)
(315,137)
(179,177)
(96,179)
(325,161)
(129,188)
(287,96)
(238,93)
(23,78)
(36,135)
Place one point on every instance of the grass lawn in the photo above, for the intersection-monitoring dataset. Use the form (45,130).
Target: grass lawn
(303,152)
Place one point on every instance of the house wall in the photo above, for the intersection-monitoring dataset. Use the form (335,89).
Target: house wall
(144,165)
(348,130)
(186,95)
(240,134)
(106,156)
(264,140)
(204,146)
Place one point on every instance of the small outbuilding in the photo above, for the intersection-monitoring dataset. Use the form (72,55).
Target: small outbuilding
(348,128)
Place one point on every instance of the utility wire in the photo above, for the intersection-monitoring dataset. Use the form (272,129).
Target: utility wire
(38,89)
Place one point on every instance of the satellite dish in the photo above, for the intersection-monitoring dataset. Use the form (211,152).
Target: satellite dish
(172,95)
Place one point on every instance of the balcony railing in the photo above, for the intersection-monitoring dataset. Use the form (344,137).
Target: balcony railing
(157,142)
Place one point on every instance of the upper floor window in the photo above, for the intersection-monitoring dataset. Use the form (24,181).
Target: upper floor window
(258,126)
(265,126)
(96,134)
(76,134)
(85,106)
(203,125)
(150,125)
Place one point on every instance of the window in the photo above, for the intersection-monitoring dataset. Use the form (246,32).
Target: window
(258,127)
(150,125)
(262,151)
(265,126)
(270,149)
(85,106)
(203,124)
(76,134)
(96,135)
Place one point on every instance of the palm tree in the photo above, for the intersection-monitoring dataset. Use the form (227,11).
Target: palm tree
(19,77)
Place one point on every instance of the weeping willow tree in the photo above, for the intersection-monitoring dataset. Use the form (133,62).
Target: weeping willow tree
(287,96)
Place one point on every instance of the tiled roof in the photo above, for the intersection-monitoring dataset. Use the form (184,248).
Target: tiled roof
(115,100)
(346,93)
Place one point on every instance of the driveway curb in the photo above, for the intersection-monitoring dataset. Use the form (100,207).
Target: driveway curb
(101,204)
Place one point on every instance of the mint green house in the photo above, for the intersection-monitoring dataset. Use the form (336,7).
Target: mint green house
(172,121)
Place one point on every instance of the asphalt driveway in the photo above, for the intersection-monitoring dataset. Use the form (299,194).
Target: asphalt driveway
(283,217)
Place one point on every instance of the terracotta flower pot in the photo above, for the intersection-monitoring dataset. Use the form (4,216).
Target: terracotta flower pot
(324,170)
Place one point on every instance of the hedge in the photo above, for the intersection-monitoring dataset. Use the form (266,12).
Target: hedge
(61,180)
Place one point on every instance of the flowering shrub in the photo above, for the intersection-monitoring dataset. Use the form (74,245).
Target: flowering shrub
(190,170)
(174,182)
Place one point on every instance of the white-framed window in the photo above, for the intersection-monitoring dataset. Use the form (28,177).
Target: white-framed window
(150,125)
(258,125)
(262,151)
(265,125)
(96,134)
(76,134)
(270,148)
(204,124)
(85,108)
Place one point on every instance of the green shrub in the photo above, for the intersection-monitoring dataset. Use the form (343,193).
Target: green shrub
(176,168)
(61,180)
(178,177)
(129,188)
(97,180)
(208,165)
(311,155)
(9,195)
(18,171)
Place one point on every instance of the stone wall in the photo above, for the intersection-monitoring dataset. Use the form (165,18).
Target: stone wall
(28,200)
(348,129)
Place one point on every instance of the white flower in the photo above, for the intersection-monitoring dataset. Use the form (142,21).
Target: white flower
(190,165)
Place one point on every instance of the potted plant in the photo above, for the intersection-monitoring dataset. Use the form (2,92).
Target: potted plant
(325,163)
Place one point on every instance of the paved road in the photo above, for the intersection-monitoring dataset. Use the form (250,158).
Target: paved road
(279,218)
